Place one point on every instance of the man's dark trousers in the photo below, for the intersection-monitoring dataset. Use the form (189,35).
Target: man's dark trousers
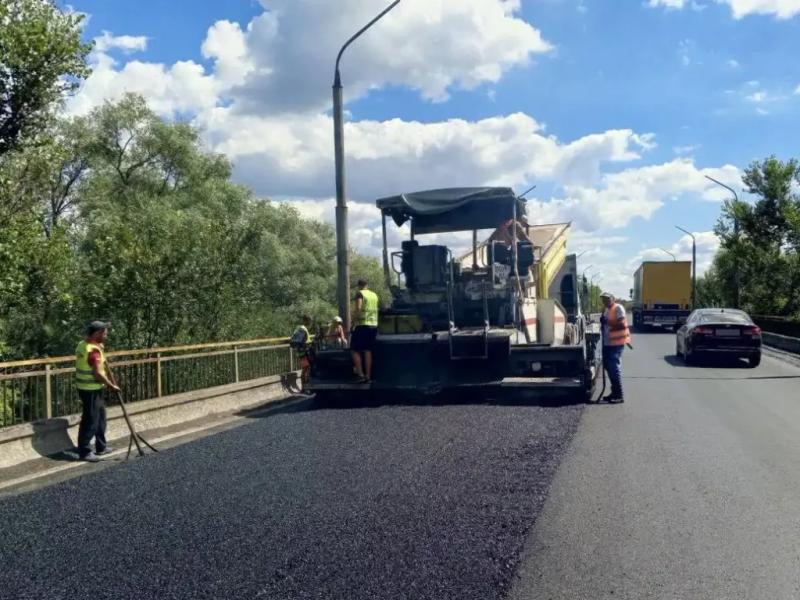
(612,358)
(93,421)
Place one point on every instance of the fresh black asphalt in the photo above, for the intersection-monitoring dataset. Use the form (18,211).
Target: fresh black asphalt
(398,501)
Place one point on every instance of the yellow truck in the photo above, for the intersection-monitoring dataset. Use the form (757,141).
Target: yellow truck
(661,294)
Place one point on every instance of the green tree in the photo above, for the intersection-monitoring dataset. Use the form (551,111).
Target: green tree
(42,58)
(137,223)
(761,242)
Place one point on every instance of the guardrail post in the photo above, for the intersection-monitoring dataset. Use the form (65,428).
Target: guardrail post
(158,374)
(236,363)
(291,359)
(48,393)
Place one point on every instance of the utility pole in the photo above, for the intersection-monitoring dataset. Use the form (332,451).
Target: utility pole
(342,245)
(694,266)
(736,292)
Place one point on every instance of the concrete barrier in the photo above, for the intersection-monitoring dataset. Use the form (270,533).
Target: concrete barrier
(29,441)
(782,342)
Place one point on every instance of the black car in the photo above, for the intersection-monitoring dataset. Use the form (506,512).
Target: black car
(719,331)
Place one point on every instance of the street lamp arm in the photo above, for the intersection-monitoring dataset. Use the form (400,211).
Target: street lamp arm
(689,233)
(727,187)
(336,77)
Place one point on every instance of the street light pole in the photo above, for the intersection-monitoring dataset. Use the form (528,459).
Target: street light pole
(342,258)
(694,266)
(736,235)
(670,253)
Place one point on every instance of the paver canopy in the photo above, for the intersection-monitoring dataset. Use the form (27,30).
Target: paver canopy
(453,209)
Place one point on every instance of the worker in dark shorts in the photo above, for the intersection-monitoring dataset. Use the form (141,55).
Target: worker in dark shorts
(92,378)
(365,330)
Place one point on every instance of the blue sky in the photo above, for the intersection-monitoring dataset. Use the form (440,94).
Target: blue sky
(617,107)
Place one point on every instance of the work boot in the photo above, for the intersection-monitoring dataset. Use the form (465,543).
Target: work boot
(91,457)
(611,398)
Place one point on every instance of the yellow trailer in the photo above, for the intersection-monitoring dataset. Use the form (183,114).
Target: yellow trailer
(662,294)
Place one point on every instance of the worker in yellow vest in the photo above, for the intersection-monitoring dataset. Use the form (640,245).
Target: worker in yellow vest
(615,336)
(365,330)
(91,380)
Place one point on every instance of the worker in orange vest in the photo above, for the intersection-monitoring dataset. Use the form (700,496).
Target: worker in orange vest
(615,336)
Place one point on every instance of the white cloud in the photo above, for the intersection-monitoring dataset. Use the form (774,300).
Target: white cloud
(782,9)
(474,42)
(291,155)
(126,43)
(226,44)
(797,91)
(671,4)
(617,269)
(262,103)
(684,52)
(635,193)
(757,97)
(732,63)
(707,245)
(684,150)
(170,90)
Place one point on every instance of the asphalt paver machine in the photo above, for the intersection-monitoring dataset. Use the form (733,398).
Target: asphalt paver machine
(503,318)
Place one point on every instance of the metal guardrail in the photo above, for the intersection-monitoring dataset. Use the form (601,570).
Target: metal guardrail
(779,325)
(31,390)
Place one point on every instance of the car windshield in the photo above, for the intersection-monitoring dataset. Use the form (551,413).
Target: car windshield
(740,318)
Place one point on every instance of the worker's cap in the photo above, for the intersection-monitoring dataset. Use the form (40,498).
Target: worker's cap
(337,319)
(606,295)
(95,326)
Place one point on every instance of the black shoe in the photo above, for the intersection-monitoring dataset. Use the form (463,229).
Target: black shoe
(104,451)
(91,457)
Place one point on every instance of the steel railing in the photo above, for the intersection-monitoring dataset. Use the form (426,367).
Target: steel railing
(31,390)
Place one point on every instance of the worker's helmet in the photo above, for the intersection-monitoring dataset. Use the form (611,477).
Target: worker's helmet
(337,319)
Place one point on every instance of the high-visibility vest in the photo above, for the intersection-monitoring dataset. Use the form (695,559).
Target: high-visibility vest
(301,333)
(616,337)
(84,376)
(368,315)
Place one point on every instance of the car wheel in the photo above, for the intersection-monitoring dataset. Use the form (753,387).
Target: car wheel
(754,360)
(677,348)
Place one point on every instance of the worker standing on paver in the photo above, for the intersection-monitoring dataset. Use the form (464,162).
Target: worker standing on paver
(365,330)
(615,335)
(91,380)
(301,342)
(335,336)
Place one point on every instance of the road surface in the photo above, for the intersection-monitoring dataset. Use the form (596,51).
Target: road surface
(689,490)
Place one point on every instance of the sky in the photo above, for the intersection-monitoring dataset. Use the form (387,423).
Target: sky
(615,109)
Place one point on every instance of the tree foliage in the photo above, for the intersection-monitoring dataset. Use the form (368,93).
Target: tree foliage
(137,223)
(42,58)
(758,263)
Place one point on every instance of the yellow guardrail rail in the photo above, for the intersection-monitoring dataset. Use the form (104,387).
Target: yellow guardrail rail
(43,388)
